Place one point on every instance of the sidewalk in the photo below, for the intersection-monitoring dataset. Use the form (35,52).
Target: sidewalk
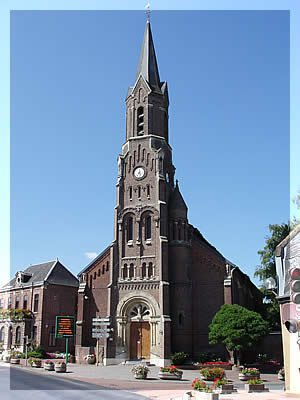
(120,377)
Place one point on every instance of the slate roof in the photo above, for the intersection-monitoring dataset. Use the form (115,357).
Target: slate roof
(177,205)
(147,66)
(52,272)
(94,260)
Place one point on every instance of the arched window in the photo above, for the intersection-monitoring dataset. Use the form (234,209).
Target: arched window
(95,275)
(125,271)
(130,192)
(107,266)
(144,270)
(18,335)
(140,121)
(130,229)
(150,270)
(148,227)
(99,272)
(103,268)
(148,190)
(131,271)
(139,192)
(2,334)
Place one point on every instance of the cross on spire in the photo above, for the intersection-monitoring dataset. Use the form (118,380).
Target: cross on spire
(147,6)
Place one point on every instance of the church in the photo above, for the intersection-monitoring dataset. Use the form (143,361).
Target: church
(159,282)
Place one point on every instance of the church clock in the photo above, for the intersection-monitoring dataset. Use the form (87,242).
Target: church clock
(139,173)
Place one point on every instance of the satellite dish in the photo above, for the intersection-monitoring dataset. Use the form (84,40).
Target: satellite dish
(270,283)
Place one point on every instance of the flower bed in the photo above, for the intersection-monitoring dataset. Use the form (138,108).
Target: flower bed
(210,374)
(170,372)
(215,364)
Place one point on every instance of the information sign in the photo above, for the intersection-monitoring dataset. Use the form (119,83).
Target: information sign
(97,335)
(65,327)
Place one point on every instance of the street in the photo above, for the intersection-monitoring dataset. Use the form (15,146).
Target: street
(21,385)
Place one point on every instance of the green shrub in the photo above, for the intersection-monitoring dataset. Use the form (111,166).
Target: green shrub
(179,358)
(35,354)
(207,356)
(41,350)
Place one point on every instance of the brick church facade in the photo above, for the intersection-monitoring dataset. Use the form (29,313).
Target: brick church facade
(160,282)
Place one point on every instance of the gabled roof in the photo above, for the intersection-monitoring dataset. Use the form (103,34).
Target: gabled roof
(94,260)
(147,66)
(52,272)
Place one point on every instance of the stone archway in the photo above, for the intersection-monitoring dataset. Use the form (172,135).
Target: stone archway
(138,319)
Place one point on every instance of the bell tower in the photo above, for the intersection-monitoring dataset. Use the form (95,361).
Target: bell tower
(140,290)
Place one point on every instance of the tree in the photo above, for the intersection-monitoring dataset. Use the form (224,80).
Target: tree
(237,328)
(267,269)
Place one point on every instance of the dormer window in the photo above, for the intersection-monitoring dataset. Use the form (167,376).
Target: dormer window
(140,121)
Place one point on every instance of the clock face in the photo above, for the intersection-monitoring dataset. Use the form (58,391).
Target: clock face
(139,172)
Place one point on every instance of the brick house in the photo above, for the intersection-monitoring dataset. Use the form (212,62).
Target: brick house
(30,302)
(160,282)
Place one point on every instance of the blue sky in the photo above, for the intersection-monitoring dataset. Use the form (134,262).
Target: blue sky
(228,77)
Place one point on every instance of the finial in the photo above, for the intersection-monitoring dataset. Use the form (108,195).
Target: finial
(147,6)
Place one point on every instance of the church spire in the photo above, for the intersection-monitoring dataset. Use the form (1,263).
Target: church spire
(147,64)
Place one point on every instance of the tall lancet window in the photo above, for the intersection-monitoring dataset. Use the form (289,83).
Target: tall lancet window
(130,229)
(140,121)
(148,227)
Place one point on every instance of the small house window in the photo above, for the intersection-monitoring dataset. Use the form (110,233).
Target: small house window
(9,303)
(103,269)
(107,266)
(34,333)
(25,302)
(18,335)
(1,304)
(144,270)
(150,270)
(2,334)
(140,121)
(139,192)
(130,193)
(99,272)
(180,319)
(95,275)
(17,304)
(148,190)
(36,303)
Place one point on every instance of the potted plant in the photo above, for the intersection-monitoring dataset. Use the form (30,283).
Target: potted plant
(206,393)
(15,357)
(6,356)
(281,374)
(60,366)
(140,371)
(90,358)
(35,362)
(255,385)
(170,372)
(248,373)
(223,386)
(210,374)
(49,365)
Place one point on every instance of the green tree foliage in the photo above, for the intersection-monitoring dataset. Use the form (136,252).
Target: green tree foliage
(237,328)
(268,269)
(267,255)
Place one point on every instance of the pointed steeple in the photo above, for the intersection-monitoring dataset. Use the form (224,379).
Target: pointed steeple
(147,64)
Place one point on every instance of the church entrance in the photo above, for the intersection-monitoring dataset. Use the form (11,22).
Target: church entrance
(139,340)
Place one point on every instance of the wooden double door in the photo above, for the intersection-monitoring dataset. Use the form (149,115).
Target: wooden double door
(139,340)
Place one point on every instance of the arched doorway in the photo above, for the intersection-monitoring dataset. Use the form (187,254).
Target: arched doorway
(140,338)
